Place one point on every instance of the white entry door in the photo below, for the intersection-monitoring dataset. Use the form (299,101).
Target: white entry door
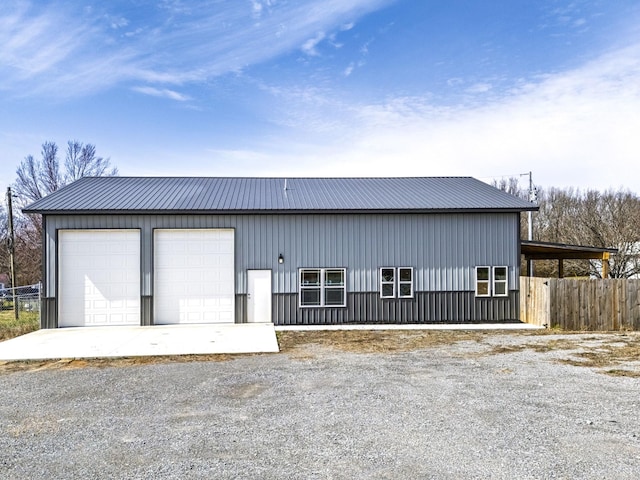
(259,296)
(193,276)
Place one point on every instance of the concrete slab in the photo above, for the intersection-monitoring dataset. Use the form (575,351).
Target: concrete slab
(98,342)
(411,326)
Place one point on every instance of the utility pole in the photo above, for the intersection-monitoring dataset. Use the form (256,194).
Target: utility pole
(11,247)
(533,195)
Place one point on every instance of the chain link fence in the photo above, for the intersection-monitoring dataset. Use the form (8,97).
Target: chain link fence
(26,298)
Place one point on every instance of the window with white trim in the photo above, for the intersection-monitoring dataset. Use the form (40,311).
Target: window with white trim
(387,282)
(492,281)
(396,282)
(500,282)
(323,287)
(483,281)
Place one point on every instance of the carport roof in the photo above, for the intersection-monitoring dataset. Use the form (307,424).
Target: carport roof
(533,250)
(247,195)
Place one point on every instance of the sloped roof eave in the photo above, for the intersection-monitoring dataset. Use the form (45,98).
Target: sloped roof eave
(279,212)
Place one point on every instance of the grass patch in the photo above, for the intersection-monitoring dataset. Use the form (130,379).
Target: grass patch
(623,373)
(541,347)
(75,363)
(617,351)
(375,341)
(553,345)
(616,355)
(10,327)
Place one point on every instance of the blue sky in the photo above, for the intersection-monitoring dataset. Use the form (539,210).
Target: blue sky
(329,87)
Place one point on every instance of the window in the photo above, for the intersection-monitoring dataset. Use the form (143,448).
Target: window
(388,283)
(482,282)
(492,281)
(323,287)
(500,282)
(396,282)
(405,282)
(310,287)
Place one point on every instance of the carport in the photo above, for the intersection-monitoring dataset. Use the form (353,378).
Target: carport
(533,250)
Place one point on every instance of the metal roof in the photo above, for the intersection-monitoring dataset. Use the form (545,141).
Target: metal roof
(245,195)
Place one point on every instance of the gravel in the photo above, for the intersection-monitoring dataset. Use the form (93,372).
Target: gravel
(454,411)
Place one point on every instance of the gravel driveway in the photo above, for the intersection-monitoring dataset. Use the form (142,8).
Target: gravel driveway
(486,408)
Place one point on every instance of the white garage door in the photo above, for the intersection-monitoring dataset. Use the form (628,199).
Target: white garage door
(98,277)
(193,276)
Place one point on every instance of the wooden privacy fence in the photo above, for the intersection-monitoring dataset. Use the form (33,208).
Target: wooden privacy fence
(570,304)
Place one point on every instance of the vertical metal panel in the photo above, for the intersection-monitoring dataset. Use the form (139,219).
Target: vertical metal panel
(146,310)
(49,258)
(426,307)
(48,313)
(241,309)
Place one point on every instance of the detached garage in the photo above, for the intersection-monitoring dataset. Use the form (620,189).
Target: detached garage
(305,251)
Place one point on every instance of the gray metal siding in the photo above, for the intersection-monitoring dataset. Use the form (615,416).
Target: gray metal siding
(442,248)
(426,307)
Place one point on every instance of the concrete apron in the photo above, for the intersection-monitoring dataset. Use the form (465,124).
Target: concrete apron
(116,341)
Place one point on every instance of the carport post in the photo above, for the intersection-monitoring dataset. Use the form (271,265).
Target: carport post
(560,268)
(605,264)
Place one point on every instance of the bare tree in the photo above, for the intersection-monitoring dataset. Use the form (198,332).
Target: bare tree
(27,249)
(612,219)
(609,219)
(37,178)
(511,185)
(81,161)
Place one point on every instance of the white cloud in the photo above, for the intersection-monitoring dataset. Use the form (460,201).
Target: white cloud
(256,9)
(309,47)
(45,46)
(28,47)
(349,70)
(117,22)
(481,87)
(579,22)
(163,93)
(578,128)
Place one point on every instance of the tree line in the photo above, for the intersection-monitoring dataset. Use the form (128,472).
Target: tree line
(607,219)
